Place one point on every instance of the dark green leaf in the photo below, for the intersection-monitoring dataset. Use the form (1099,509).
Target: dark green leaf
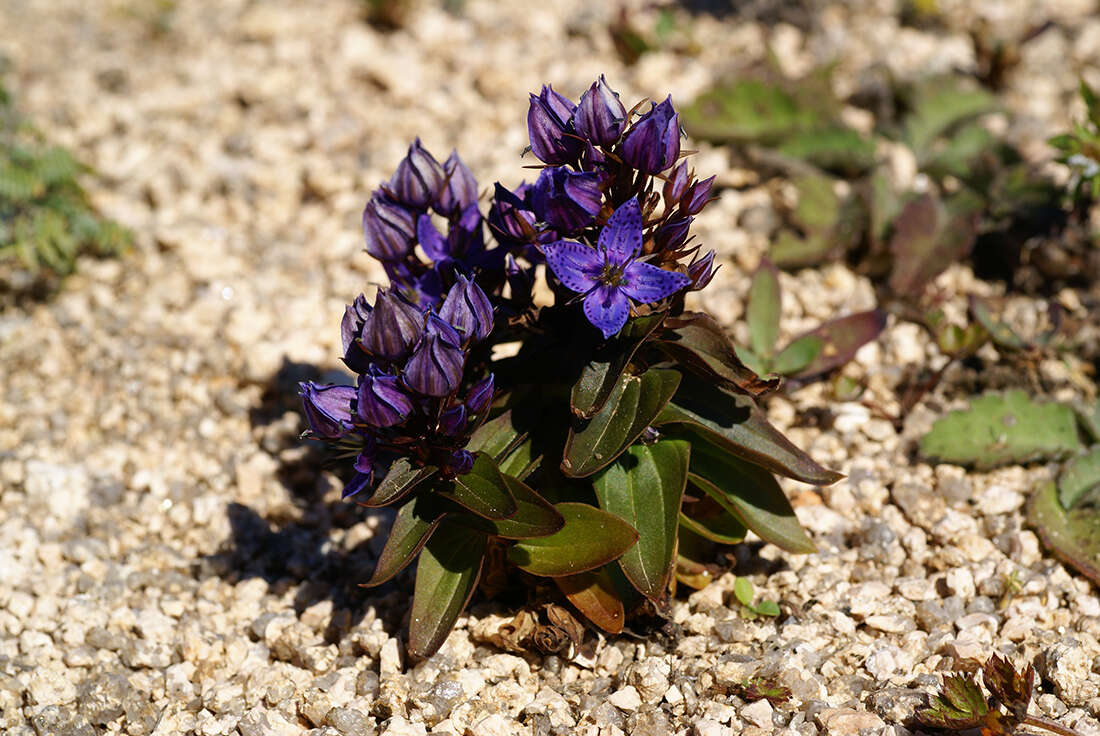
(937,105)
(484,491)
(1089,418)
(840,340)
(1073,535)
(594,595)
(1079,483)
(734,422)
(399,482)
(1013,689)
(631,408)
(723,528)
(759,688)
(798,355)
(750,493)
(835,148)
(604,370)
(762,314)
(645,487)
(961,706)
(446,577)
(512,449)
(928,237)
(413,525)
(535,517)
(590,538)
(697,340)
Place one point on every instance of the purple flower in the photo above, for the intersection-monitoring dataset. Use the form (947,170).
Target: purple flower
(435,367)
(418,178)
(676,184)
(364,469)
(672,234)
(381,400)
(510,218)
(566,200)
(388,228)
(480,395)
(453,420)
(459,189)
(327,408)
(701,271)
(697,197)
(459,463)
(392,328)
(468,310)
(550,125)
(465,241)
(600,117)
(610,275)
(653,143)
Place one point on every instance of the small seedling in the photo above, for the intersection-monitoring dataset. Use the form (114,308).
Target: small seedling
(746,595)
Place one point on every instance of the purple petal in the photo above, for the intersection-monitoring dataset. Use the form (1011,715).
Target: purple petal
(622,236)
(645,283)
(430,239)
(607,309)
(576,265)
(357,484)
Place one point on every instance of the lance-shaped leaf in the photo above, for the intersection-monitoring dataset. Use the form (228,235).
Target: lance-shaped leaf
(603,372)
(590,538)
(414,524)
(402,479)
(762,314)
(1073,535)
(645,487)
(1013,689)
(446,577)
(534,517)
(797,356)
(594,595)
(734,422)
(928,237)
(483,490)
(633,406)
(1089,418)
(1079,483)
(750,493)
(697,340)
(721,527)
(504,442)
(840,340)
(961,706)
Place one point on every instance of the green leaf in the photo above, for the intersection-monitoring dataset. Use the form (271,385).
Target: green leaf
(1089,417)
(446,577)
(840,340)
(644,487)
(722,528)
(751,494)
(749,110)
(734,422)
(798,355)
(1001,334)
(413,525)
(1073,535)
(483,490)
(631,408)
(698,341)
(1079,483)
(928,237)
(594,595)
(766,608)
(937,105)
(603,372)
(835,148)
(399,482)
(590,538)
(744,591)
(1002,430)
(534,517)
(504,442)
(764,309)
(961,706)
(790,250)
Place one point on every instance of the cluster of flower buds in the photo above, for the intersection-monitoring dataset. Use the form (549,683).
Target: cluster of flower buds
(398,217)
(410,361)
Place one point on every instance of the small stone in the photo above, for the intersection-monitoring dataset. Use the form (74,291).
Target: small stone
(626,699)
(399,726)
(650,679)
(48,686)
(960,582)
(262,722)
(712,728)
(759,714)
(848,721)
(389,662)
(1068,667)
(891,624)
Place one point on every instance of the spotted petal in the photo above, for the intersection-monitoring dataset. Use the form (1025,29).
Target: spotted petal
(576,265)
(645,283)
(607,309)
(622,236)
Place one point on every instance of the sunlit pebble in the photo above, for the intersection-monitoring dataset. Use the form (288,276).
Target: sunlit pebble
(166,504)
(227,292)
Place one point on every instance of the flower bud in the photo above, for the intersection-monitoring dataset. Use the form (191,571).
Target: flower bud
(459,189)
(351,328)
(418,178)
(568,201)
(459,463)
(382,402)
(392,328)
(521,280)
(550,126)
(468,310)
(435,367)
(480,395)
(653,143)
(510,219)
(452,421)
(600,116)
(701,271)
(672,235)
(388,228)
(676,184)
(327,408)
(697,197)
(364,469)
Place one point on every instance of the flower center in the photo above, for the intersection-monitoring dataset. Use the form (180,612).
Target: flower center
(611,275)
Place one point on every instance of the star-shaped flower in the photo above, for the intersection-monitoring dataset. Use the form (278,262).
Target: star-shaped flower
(611,275)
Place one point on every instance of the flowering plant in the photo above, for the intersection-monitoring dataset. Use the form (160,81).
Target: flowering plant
(594,432)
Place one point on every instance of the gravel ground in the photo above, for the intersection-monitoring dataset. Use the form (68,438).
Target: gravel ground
(172,561)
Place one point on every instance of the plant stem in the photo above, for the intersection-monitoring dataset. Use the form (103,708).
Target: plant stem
(1049,725)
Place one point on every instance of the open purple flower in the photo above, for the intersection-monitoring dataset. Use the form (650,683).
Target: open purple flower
(610,275)
(328,408)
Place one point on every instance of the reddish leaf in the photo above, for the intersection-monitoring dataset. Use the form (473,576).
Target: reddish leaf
(594,595)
